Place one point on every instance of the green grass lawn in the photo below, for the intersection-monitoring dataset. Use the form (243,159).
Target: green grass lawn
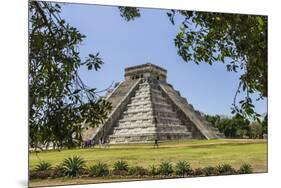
(200,153)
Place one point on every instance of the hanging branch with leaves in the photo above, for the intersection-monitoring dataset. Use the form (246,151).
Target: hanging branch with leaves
(59,101)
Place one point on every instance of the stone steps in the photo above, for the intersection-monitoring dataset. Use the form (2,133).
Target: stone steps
(194,116)
(164,105)
(141,117)
(133,119)
(158,99)
(164,110)
(166,133)
(127,131)
(120,92)
(140,98)
(124,126)
(152,109)
(114,139)
(139,107)
(138,120)
(128,125)
(165,114)
(133,110)
(167,120)
(139,103)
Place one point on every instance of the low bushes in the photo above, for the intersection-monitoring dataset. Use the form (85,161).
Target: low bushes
(221,169)
(58,171)
(183,168)
(153,170)
(210,171)
(166,169)
(42,170)
(198,172)
(75,167)
(99,169)
(43,166)
(245,169)
(225,169)
(138,171)
(120,168)
(121,165)
(40,174)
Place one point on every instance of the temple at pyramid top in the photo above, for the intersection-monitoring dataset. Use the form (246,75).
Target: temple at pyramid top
(146,108)
(145,71)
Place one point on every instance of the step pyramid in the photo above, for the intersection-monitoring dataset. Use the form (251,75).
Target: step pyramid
(146,108)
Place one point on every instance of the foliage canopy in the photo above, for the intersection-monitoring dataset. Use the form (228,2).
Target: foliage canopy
(59,101)
(239,41)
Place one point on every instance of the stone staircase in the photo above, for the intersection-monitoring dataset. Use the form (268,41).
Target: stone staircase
(148,117)
(119,92)
(119,98)
(169,125)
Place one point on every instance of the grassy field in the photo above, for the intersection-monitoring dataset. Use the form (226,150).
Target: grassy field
(200,153)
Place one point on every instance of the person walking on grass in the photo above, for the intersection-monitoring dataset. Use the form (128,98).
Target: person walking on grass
(100,144)
(106,145)
(156,141)
(155,144)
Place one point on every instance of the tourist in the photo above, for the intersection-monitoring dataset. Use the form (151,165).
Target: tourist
(156,144)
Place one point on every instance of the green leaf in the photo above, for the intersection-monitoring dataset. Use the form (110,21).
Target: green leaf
(260,21)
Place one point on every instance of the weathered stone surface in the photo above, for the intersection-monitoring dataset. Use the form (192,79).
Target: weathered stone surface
(119,98)
(146,120)
(204,127)
(146,108)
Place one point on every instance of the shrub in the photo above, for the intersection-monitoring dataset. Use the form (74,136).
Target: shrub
(42,170)
(245,169)
(58,171)
(121,165)
(32,174)
(166,168)
(153,171)
(198,172)
(255,130)
(210,171)
(73,166)
(225,169)
(120,172)
(183,168)
(43,166)
(120,168)
(40,174)
(138,171)
(99,169)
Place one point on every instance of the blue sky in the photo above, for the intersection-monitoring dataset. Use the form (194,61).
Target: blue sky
(149,38)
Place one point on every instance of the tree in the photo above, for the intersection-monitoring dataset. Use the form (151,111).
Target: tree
(235,127)
(214,120)
(264,125)
(59,101)
(228,127)
(239,41)
(129,13)
(255,130)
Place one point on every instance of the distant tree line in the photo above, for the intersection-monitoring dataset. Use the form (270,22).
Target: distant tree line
(238,127)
